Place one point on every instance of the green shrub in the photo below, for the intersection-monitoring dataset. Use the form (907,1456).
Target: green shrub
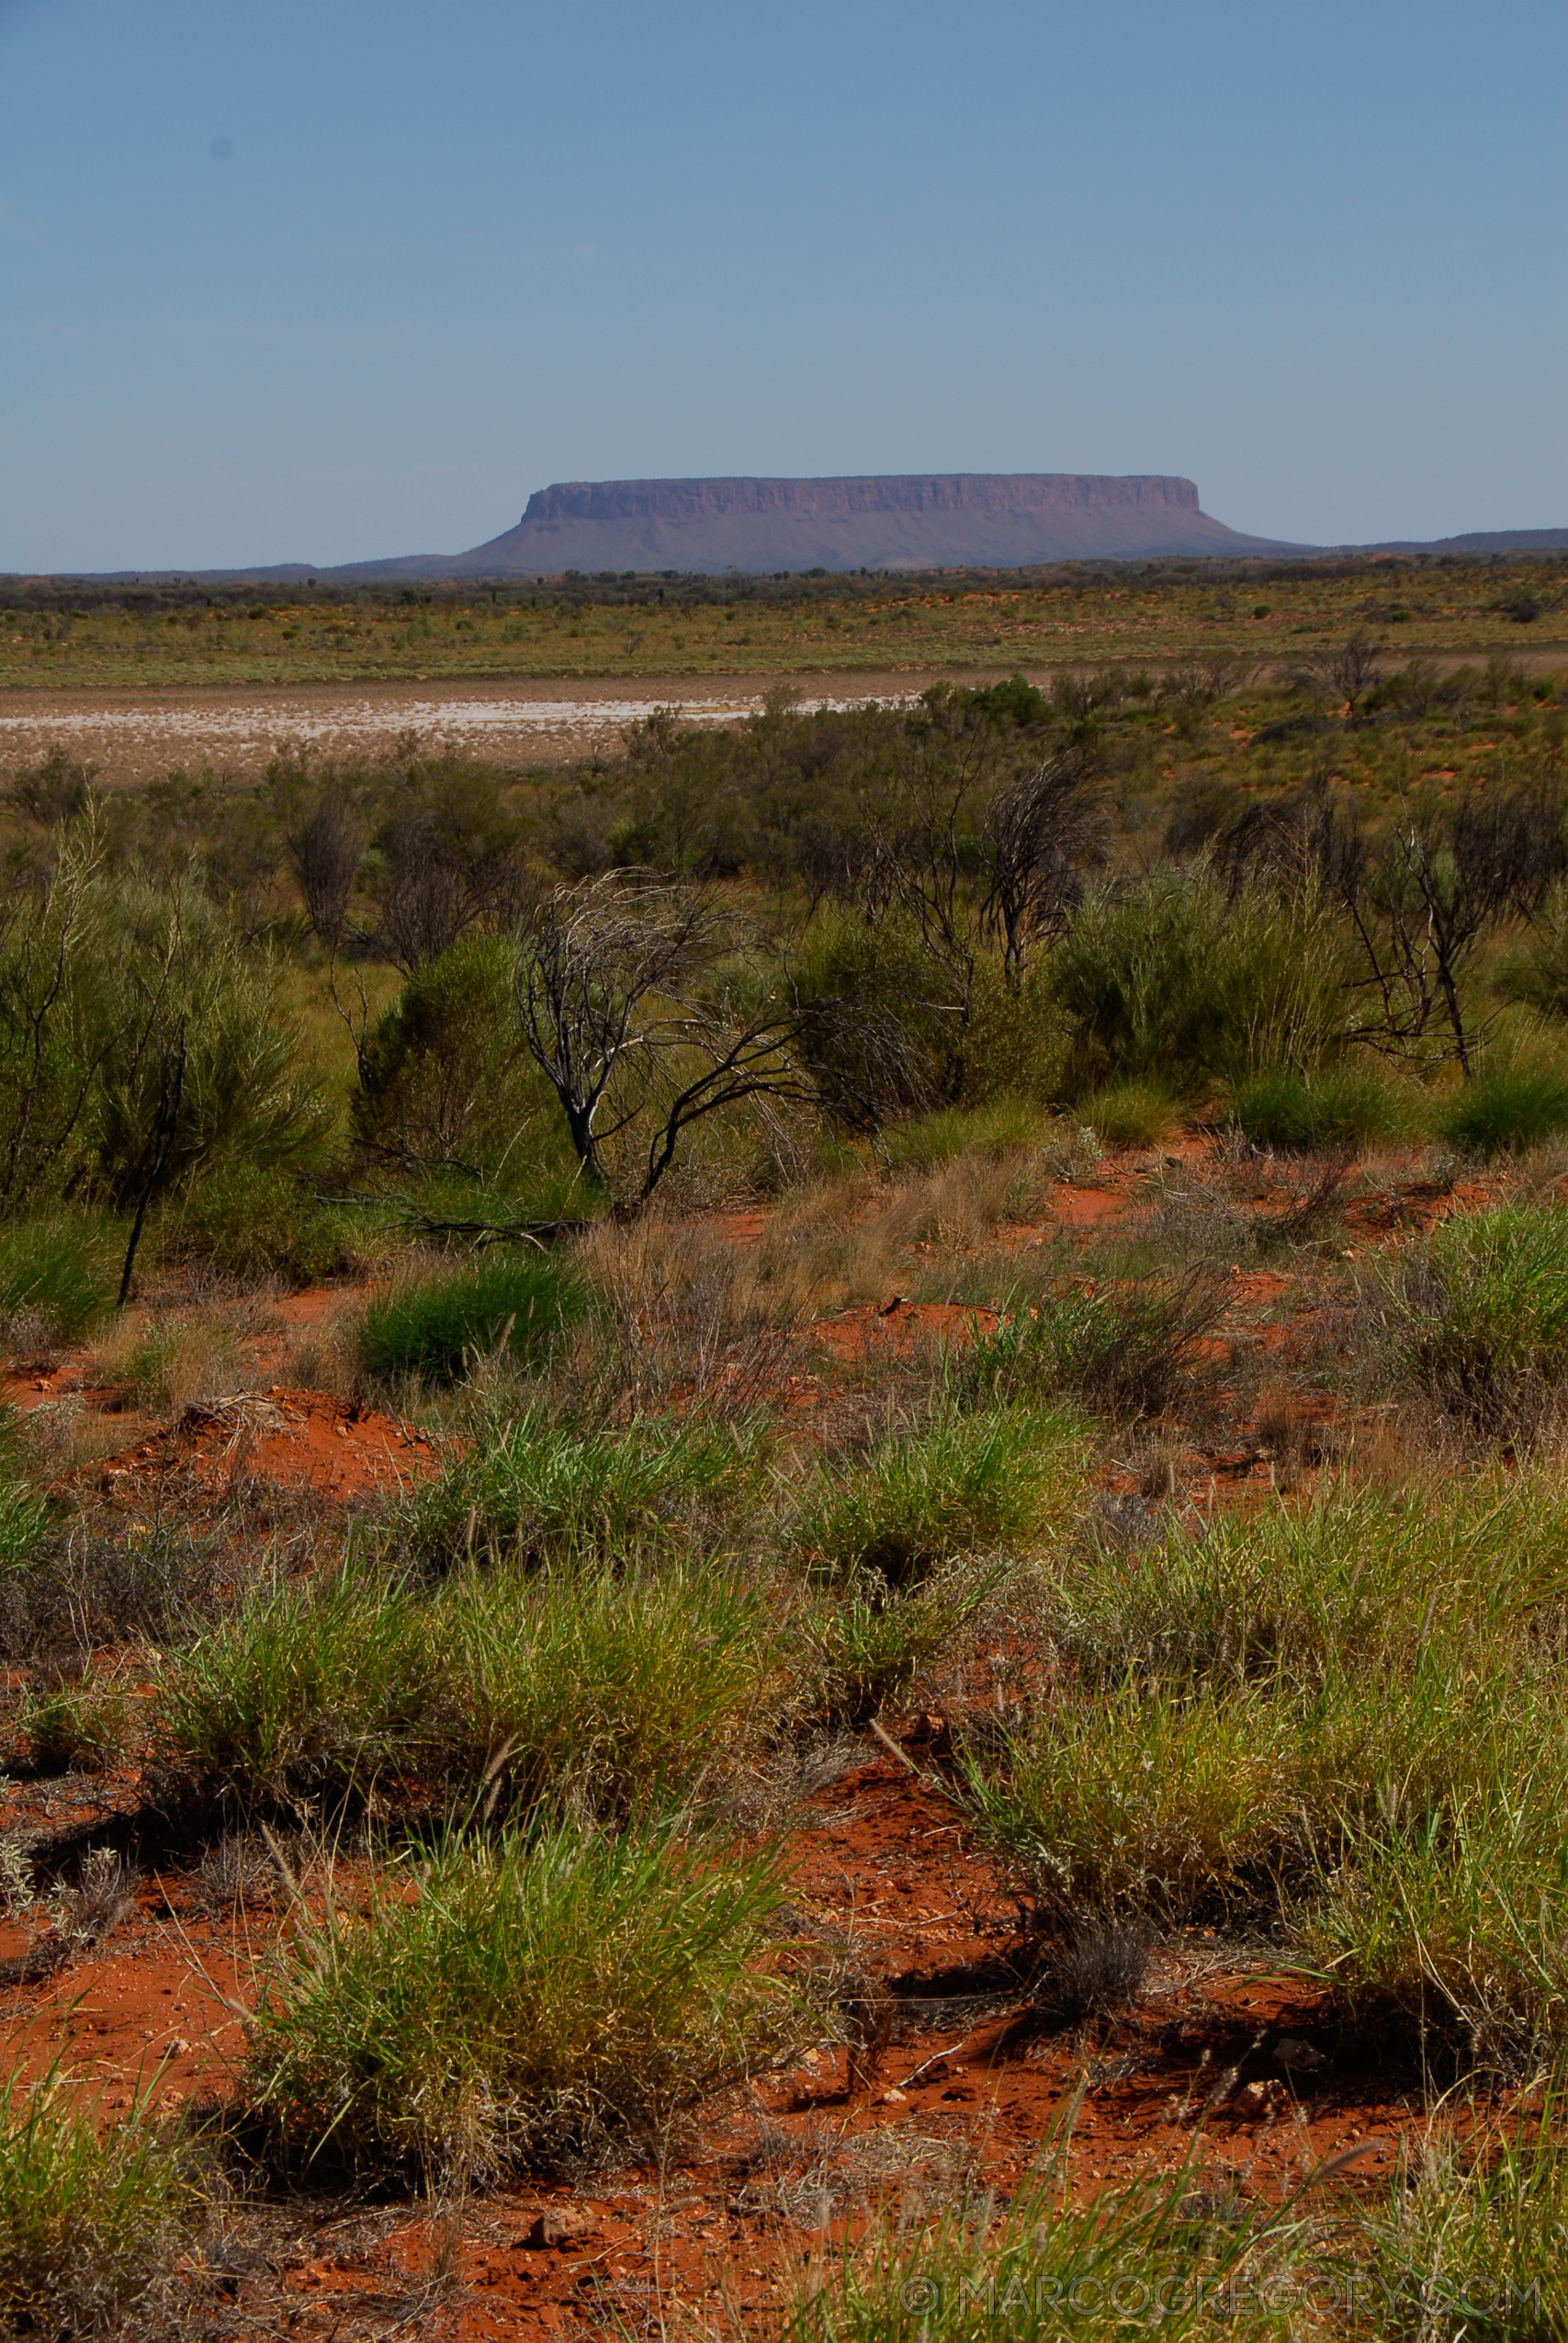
(1450,1926)
(24,1514)
(1180,1807)
(1121,1347)
(445,1081)
(301,1691)
(80,1728)
(960,1484)
(540,1492)
(866,1643)
(1538,976)
(895,1041)
(91,2219)
(432,1326)
(1463,2242)
(197,999)
(62,1273)
(1128,1114)
(1179,983)
(602,1690)
(1337,1107)
(1478,1317)
(1360,1578)
(1004,1126)
(256,1222)
(1508,1111)
(564,1686)
(1017,1041)
(526,1996)
(1345,1723)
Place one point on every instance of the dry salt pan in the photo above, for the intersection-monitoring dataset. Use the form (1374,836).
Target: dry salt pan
(139,739)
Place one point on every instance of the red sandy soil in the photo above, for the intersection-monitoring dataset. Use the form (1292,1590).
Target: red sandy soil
(778,2175)
(1221,2059)
(294,1439)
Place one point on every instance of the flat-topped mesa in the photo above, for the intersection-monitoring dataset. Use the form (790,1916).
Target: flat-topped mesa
(1007,493)
(897,521)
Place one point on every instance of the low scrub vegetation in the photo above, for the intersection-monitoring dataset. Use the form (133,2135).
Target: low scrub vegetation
(91,2214)
(541,1493)
(431,1328)
(926,1494)
(1346,1722)
(570,1686)
(993,1264)
(536,1994)
(1479,1317)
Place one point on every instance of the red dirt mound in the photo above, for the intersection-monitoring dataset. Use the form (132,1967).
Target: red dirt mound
(297,1439)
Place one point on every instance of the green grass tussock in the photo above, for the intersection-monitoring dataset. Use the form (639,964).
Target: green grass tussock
(1337,1108)
(1131,1113)
(1179,982)
(1344,1721)
(1507,1111)
(959,1484)
(433,1327)
(1004,1126)
(517,1999)
(1465,2243)
(58,1276)
(540,1492)
(91,2217)
(24,1513)
(303,1690)
(1121,1347)
(608,1692)
(866,1643)
(1477,1320)
(255,1223)
(570,1686)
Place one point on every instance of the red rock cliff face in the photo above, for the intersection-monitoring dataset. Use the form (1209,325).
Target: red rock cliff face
(900,521)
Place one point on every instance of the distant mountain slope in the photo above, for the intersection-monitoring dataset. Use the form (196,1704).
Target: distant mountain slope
(915,521)
(900,521)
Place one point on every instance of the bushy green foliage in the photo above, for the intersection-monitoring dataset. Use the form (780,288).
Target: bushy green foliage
(141,1041)
(1478,1316)
(587,1685)
(1463,2240)
(444,1080)
(90,2215)
(61,1272)
(1006,1126)
(311,1690)
(1134,1112)
(541,1493)
(1336,1107)
(1507,1110)
(1123,1345)
(559,1686)
(956,1484)
(251,1221)
(522,1996)
(433,1327)
(1180,983)
(203,1036)
(867,1642)
(894,1044)
(74,1727)
(1344,1720)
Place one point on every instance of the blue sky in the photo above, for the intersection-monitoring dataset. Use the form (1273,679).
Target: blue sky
(327,279)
